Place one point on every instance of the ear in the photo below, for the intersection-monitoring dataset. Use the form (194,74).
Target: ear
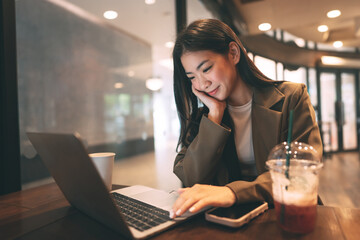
(234,52)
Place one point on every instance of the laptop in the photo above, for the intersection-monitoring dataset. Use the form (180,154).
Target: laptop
(135,212)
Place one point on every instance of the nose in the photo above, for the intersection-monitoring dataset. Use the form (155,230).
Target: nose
(203,83)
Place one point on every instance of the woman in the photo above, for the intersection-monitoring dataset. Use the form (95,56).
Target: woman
(244,115)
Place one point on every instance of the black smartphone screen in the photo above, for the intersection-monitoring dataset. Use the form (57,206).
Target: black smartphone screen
(236,211)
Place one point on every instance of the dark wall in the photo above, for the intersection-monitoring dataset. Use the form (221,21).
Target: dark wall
(9,128)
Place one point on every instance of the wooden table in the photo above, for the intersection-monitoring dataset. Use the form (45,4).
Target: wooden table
(44,213)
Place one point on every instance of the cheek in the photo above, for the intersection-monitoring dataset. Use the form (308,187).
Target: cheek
(220,73)
(218,76)
(195,84)
(226,76)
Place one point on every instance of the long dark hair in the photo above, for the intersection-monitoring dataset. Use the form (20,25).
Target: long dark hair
(213,35)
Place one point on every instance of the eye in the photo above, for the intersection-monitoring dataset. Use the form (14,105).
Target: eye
(191,78)
(207,69)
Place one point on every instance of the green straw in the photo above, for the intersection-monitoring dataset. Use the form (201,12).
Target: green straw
(282,211)
(289,143)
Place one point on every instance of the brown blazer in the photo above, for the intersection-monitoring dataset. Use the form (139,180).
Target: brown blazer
(211,157)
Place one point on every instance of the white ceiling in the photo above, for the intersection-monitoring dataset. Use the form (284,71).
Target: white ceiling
(302,17)
(155,23)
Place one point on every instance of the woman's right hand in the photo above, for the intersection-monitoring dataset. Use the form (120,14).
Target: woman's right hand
(216,107)
(199,196)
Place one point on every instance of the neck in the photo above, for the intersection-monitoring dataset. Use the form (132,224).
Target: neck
(241,94)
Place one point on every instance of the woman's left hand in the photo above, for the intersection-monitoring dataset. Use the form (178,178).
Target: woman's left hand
(200,196)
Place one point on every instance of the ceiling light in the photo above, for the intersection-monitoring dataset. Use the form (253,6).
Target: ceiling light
(154,84)
(328,60)
(333,13)
(341,62)
(264,27)
(323,28)
(118,85)
(338,44)
(131,73)
(149,2)
(110,14)
(169,44)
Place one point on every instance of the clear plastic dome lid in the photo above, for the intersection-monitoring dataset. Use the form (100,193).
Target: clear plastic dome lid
(302,157)
(296,150)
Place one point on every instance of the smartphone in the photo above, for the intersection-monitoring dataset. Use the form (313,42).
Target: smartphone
(237,215)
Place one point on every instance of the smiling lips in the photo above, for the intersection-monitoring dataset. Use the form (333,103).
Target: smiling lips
(213,91)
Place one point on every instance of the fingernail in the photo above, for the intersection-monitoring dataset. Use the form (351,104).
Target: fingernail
(192,209)
(171,213)
(178,212)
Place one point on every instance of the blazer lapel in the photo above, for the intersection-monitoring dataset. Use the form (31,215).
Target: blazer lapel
(266,120)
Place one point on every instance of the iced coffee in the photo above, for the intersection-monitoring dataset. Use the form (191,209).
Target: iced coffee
(295,186)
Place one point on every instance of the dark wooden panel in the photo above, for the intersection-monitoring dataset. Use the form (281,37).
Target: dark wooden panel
(35,197)
(7,211)
(349,220)
(20,223)
(55,219)
(75,226)
(79,226)
(339,180)
(22,212)
(263,227)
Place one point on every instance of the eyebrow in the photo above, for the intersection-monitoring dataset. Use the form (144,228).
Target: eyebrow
(199,66)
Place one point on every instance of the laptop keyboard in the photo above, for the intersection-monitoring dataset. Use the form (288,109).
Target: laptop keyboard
(140,215)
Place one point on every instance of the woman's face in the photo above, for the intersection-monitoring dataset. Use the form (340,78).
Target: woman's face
(212,73)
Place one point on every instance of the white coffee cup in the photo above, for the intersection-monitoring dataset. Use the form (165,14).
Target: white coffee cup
(104,163)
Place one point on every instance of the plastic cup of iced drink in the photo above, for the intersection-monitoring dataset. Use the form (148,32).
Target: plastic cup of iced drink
(295,186)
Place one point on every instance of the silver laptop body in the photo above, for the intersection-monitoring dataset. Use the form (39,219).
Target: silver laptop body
(68,161)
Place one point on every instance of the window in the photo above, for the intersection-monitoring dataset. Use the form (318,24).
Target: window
(79,72)
(280,71)
(298,76)
(266,66)
(312,88)
(288,37)
(330,47)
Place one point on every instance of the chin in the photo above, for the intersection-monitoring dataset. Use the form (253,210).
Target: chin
(219,98)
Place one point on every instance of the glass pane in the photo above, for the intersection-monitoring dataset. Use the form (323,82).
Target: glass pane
(328,99)
(266,66)
(298,76)
(326,47)
(251,56)
(109,80)
(330,47)
(278,34)
(280,71)
(349,100)
(312,86)
(288,37)
(270,33)
(311,45)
